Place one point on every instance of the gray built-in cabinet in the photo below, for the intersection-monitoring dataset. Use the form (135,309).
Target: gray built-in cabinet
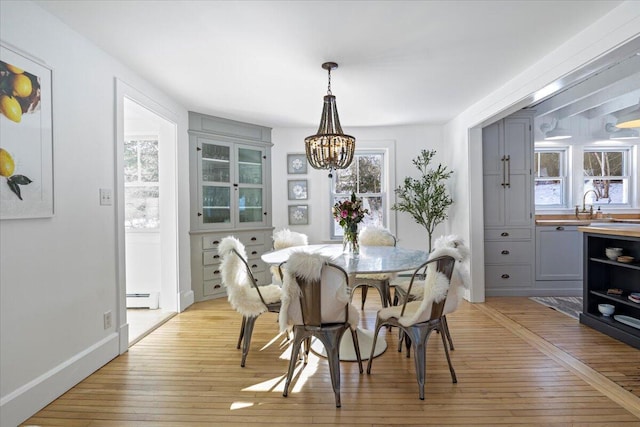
(230,183)
(558,260)
(507,152)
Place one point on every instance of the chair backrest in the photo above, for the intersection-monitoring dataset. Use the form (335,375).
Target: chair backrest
(437,282)
(315,291)
(286,238)
(237,277)
(376,236)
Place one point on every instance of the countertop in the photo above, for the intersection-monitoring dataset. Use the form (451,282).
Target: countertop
(614,229)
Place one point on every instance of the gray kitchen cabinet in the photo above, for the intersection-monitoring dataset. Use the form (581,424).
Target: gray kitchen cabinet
(230,180)
(507,152)
(559,253)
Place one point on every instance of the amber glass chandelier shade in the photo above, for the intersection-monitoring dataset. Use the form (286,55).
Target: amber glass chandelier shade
(330,148)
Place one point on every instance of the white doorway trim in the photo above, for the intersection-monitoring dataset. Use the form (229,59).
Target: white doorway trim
(123,90)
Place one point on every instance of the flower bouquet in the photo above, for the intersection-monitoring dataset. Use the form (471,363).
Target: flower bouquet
(348,213)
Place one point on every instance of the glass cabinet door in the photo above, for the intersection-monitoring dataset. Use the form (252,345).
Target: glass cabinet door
(216,204)
(249,166)
(250,163)
(216,163)
(250,205)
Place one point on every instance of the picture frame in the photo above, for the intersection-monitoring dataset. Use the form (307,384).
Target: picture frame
(26,132)
(297,189)
(296,164)
(298,214)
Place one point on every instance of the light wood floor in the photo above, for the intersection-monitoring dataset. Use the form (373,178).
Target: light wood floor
(518,363)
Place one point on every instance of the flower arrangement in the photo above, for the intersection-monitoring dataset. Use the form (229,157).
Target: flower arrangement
(348,213)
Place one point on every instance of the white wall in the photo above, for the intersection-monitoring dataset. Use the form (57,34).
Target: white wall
(58,274)
(612,30)
(409,140)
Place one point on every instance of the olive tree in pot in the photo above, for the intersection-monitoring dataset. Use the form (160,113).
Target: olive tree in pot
(425,198)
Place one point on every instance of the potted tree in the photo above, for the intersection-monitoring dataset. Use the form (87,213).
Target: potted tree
(425,198)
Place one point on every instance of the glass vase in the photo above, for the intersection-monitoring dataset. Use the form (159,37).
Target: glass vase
(350,242)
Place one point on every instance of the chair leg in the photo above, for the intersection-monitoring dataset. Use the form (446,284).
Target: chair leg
(331,341)
(295,351)
(419,337)
(248,330)
(379,325)
(446,352)
(363,292)
(356,346)
(445,328)
(244,321)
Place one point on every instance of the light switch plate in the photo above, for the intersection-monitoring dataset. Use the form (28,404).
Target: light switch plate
(106,197)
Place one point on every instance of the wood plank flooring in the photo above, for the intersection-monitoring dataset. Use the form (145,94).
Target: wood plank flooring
(518,363)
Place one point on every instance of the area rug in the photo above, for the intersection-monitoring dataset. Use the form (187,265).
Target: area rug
(571,306)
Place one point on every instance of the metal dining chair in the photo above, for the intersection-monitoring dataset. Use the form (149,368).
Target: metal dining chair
(374,236)
(417,319)
(243,292)
(315,303)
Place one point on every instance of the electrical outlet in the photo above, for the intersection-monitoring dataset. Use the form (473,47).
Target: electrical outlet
(107,319)
(106,197)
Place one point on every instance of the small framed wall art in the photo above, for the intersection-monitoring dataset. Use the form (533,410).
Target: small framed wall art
(298,214)
(297,189)
(296,164)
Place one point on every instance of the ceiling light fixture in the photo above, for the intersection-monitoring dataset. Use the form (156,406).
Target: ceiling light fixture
(552,132)
(330,148)
(615,133)
(630,120)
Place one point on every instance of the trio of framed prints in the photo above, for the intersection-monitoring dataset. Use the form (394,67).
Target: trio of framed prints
(297,189)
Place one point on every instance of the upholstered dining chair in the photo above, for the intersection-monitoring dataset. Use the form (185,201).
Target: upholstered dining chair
(417,319)
(315,303)
(244,294)
(374,236)
(460,279)
(282,239)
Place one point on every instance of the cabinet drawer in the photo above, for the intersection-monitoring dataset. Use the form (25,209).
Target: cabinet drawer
(510,252)
(210,257)
(212,288)
(505,276)
(212,273)
(507,233)
(251,239)
(211,241)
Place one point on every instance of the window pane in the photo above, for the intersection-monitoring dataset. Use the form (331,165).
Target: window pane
(130,161)
(370,173)
(604,163)
(549,192)
(547,164)
(607,190)
(148,161)
(142,207)
(346,179)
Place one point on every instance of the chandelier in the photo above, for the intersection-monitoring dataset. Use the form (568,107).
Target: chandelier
(330,148)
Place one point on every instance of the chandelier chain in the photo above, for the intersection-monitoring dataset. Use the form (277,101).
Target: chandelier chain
(329,85)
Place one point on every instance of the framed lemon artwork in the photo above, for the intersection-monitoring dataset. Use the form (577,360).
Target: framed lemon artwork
(26,141)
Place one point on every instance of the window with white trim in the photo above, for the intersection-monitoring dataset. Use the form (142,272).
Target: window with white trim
(606,172)
(141,183)
(550,176)
(366,176)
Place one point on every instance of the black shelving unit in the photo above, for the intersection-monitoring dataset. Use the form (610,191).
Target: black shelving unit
(601,274)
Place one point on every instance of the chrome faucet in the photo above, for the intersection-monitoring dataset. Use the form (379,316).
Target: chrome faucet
(584,208)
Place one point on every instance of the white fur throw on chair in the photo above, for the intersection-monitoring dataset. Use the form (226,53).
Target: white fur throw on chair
(375,236)
(286,238)
(242,295)
(335,296)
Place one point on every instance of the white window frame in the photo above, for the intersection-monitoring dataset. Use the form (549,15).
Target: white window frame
(388,149)
(626,170)
(564,176)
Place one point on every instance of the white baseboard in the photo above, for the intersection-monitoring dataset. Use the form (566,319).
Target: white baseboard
(22,403)
(186,299)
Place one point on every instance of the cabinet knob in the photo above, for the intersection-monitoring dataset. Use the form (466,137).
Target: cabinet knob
(216,287)
(253,239)
(216,272)
(216,242)
(254,252)
(504,234)
(505,252)
(254,266)
(199,214)
(216,256)
(505,276)
(559,228)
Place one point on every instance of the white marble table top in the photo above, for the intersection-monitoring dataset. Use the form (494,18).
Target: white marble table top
(370,260)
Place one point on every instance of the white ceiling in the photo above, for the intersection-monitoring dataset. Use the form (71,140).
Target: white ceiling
(400,62)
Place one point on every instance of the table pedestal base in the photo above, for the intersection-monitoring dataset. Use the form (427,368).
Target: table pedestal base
(347,350)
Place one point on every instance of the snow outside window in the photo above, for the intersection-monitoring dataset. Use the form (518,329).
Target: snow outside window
(550,176)
(606,172)
(141,185)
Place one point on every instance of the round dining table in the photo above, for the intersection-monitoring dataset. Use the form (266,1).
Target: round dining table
(370,260)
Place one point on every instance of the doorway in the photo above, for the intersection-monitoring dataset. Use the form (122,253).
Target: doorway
(147,216)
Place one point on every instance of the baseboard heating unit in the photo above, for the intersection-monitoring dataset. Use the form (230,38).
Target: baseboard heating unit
(150,300)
